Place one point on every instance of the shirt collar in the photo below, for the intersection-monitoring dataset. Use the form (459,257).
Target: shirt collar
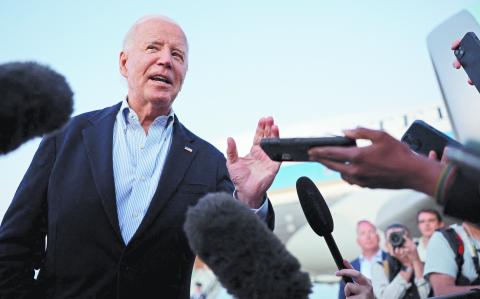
(126,112)
(376,258)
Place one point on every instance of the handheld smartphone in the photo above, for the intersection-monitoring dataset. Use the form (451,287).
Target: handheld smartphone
(467,158)
(296,149)
(468,53)
(423,138)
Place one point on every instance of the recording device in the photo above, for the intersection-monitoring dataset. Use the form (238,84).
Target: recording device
(467,158)
(468,53)
(423,138)
(319,217)
(34,100)
(397,239)
(248,259)
(296,149)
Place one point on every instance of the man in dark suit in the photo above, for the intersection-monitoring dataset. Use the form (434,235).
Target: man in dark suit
(369,242)
(110,190)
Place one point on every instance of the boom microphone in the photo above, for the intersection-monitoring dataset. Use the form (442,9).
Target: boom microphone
(248,259)
(34,100)
(319,217)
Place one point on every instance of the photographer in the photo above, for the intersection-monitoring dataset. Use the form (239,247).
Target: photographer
(401,274)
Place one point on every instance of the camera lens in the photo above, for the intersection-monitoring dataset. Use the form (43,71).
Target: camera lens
(396,239)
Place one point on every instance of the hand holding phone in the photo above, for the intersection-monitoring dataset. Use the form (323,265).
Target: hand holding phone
(468,54)
(296,149)
(423,138)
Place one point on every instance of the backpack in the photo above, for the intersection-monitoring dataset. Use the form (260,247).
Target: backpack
(456,243)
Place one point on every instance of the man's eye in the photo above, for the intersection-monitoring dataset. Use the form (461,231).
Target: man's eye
(151,48)
(178,56)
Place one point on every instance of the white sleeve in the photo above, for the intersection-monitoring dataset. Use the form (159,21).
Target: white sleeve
(440,257)
(382,288)
(423,288)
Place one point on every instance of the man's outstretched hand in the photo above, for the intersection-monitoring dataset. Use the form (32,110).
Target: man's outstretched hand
(253,174)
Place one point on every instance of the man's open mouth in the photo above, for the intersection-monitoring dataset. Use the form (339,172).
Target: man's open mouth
(161,78)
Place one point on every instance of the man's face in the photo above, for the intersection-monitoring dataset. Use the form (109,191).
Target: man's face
(428,223)
(154,62)
(367,237)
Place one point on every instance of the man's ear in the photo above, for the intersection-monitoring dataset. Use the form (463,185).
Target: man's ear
(122,63)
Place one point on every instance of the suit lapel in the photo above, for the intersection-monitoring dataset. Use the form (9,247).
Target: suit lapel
(181,154)
(98,141)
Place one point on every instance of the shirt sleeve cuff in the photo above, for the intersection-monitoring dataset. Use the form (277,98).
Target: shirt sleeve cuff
(262,211)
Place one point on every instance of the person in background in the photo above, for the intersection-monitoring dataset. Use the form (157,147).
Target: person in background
(428,221)
(452,264)
(401,274)
(369,242)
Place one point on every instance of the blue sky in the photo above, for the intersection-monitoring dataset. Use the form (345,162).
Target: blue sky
(295,60)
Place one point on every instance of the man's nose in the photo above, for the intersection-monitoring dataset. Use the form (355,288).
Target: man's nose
(165,58)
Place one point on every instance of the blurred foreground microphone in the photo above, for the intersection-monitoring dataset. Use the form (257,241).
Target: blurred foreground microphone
(319,217)
(245,255)
(34,100)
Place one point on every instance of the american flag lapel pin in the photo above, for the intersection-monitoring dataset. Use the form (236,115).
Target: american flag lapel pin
(187,149)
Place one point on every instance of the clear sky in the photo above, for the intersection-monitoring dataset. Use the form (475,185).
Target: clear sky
(297,60)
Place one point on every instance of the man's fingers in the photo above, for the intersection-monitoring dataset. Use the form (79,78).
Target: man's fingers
(265,128)
(268,126)
(347,264)
(259,131)
(352,289)
(364,133)
(445,155)
(432,155)
(232,153)
(275,131)
(334,153)
(455,44)
(456,64)
(334,165)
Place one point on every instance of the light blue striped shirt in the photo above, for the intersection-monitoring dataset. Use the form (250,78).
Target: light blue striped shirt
(138,160)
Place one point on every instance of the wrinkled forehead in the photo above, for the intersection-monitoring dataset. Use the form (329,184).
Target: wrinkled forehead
(156,29)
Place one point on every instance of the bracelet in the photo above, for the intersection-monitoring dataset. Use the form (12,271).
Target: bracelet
(440,189)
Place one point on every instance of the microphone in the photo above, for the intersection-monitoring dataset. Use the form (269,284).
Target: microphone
(248,259)
(34,100)
(319,217)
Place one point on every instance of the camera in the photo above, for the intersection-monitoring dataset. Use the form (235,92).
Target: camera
(397,239)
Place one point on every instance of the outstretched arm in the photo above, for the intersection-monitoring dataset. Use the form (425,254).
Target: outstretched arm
(386,163)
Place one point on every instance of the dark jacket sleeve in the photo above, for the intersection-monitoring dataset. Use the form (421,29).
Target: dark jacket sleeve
(24,227)
(462,198)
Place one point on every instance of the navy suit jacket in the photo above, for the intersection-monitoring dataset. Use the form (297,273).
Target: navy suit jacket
(356,265)
(68,195)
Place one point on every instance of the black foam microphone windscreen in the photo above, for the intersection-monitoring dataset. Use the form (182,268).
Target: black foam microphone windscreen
(34,100)
(319,217)
(248,259)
